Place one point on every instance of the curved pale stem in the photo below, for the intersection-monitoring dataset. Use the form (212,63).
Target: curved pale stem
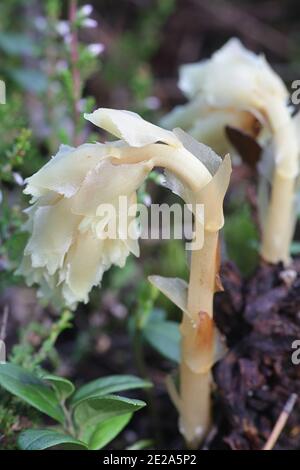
(195,387)
(195,394)
(203,275)
(278,230)
(192,171)
(279,226)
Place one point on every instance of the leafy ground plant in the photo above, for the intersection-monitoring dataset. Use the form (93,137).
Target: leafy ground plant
(87,418)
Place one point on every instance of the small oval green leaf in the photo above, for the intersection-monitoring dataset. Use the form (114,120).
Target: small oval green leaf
(41,439)
(108,385)
(164,336)
(106,431)
(63,388)
(30,388)
(94,411)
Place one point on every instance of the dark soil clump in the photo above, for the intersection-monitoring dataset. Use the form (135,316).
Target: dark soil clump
(261,320)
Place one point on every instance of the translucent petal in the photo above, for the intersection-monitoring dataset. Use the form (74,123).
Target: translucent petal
(115,252)
(32,275)
(129,233)
(173,183)
(65,172)
(190,77)
(208,158)
(205,154)
(53,231)
(184,116)
(172,287)
(132,244)
(233,76)
(83,267)
(212,197)
(130,127)
(105,183)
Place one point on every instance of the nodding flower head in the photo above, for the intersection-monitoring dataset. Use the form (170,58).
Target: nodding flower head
(233,76)
(69,247)
(236,88)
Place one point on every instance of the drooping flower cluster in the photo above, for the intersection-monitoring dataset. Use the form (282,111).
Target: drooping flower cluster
(238,88)
(68,250)
(234,87)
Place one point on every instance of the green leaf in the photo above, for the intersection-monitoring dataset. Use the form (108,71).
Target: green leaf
(31,389)
(63,388)
(157,314)
(40,439)
(108,385)
(164,336)
(94,411)
(106,431)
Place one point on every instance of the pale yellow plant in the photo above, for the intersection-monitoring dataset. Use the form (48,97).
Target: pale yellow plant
(67,252)
(236,87)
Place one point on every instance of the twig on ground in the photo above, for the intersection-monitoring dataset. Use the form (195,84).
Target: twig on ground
(281,422)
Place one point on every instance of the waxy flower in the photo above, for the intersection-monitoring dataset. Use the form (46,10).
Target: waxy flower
(68,250)
(238,88)
(67,253)
(208,123)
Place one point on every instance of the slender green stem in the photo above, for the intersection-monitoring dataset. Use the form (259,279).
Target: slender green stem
(69,425)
